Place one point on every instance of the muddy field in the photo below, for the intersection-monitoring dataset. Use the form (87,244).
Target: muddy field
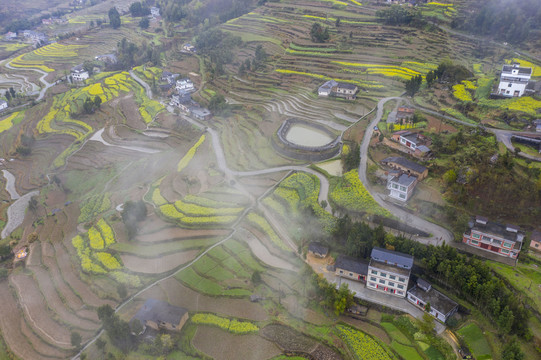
(225,346)
(158,265)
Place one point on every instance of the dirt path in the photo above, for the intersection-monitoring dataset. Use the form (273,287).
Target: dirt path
(42,79)
(16,213)
(98,136)
(10,185)
(142,83)
(262,253)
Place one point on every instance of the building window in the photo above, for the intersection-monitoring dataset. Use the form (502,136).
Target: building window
(536,245)
(391,284)
(504,251)
(341,271)
(507,244)
(509,85)
(402,196)
(474,242)
(395,186)
(401,279)
(374,272)
(399,292)
(373,278)
(486,238)
(383,274)
(381,281)
(350,274)
(402,188)
(400,286)
(475,236)
(392,277)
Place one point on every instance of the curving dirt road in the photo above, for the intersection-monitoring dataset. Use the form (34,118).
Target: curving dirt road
(42,79)
(439,233)
(16,213)
(142,83)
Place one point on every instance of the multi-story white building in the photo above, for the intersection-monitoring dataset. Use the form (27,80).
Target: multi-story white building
(513,80)
(78,73)
(441,307)
(504,240)
(389,272)
(401,186)
(185,86)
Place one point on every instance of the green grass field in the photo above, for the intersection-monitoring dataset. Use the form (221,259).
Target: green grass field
(476,341)
(524,277)
(407,352)
(395,333)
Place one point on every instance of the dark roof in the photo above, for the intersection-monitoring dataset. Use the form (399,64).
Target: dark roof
(521,70)
(405,163)
(423,284)
(392,257)
(411,137)
(351,264)
(536,235)
(318,248)
(200,111)
(422,148)
(347,86)
(404,179)
(159,311)
(402,132)
(437,300)
(328,85)
(496,229)
(391,268)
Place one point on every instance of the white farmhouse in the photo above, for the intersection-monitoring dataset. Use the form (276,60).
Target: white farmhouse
(78,73)
(401,186)
(441,307)
(513,80)
(185,86)
(389,272)
(327,88)
(3,105)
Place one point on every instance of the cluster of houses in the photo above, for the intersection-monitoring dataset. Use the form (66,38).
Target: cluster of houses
(389,272)
(30,36)
(338,89)
(182,98)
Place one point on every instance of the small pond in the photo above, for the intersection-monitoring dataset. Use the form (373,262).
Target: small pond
(307,136)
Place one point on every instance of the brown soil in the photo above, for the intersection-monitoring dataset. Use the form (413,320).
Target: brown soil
(174,233)
(436,125)
(69,272)
(222,345)
(130,109)
(158,265)
(56,305)
(35,310)
(23,346)
(180,295)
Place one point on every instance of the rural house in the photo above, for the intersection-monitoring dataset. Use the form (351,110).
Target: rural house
(504,240)
(107,58)
(389,271)
(185,86)
(407,166)
(352,268)
(200,113)
(513,80)
(159,315)
(188,48)
(78,73)
(10,36)
(401,186)
(404,114)
(441,307)
(535,243)
(327,88)
(347,91)
(3,105)
(155,11)
(318,250)
(184,102)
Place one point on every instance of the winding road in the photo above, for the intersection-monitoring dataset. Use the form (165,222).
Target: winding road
(42,79)
(439,234)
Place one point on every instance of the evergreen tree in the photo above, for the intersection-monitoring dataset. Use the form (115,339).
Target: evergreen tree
(114,18)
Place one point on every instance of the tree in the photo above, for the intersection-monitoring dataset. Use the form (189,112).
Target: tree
(76,339)
(428,308)
(256,277)
(8,96)
(512,351)
(144,23)
(12,92)
(100,344)
(137,9)
(450,177)
(136,326)
(318,33)
(413,85)
(97,102)
(3,273)
(337,22)
(430,77)
(114,18)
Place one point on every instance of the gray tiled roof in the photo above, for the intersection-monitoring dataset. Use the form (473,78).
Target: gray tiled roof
(347,86)
(318,248)
(351,264)
(392,257)
(404,179)
(437,300)
(405,163)
(521,70)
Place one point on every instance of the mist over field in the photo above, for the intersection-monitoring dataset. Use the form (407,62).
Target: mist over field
(240,179)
